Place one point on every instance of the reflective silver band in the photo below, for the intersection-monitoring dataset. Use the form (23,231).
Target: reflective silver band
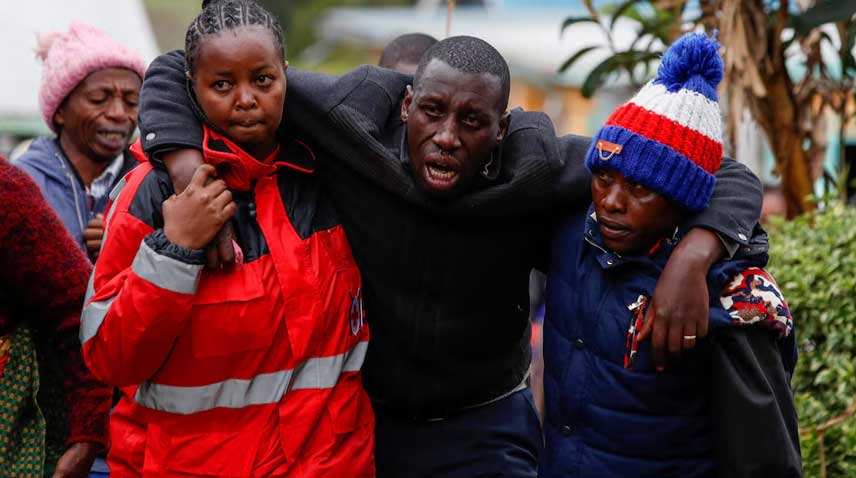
(92,317)
(165,272)
(267,388)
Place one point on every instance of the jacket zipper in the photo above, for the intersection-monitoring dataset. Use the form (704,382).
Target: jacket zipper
(72,180)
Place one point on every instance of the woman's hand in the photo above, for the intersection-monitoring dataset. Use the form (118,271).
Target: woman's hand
(77,460)
(182,164)
(193,217)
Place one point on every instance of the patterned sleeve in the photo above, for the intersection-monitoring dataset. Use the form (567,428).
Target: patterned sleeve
(753,298)
(45,273)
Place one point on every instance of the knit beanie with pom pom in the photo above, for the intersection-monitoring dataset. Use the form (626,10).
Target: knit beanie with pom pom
(68,58)
(669,136)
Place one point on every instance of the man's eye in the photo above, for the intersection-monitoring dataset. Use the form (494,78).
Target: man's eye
(97,100)
(264,80)
(430,109)
(471,120)
(221,85)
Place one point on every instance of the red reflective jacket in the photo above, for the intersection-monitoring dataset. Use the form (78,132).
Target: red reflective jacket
(249,372)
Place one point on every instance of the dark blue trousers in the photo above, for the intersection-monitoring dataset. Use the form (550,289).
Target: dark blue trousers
(502,439)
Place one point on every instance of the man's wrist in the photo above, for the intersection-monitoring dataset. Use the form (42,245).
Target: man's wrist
(700,248)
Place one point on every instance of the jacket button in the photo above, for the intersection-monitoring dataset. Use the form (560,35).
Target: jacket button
(742,236)
(579,344)
(567,430)
(610,262)
(150,136)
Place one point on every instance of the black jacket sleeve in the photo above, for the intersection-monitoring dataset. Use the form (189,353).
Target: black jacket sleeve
(167,118)
(752,406)
(735,207)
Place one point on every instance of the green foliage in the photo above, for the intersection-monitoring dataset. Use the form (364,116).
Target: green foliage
(813,259)
(657,28)
(823,11)
(300,18)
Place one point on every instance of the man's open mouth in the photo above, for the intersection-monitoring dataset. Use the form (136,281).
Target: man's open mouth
(440,172)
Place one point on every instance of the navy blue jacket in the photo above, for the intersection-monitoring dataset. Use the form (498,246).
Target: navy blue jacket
(604,420)
(47,165)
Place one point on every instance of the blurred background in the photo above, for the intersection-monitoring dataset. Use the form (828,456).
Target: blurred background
(787,98)
(574,59)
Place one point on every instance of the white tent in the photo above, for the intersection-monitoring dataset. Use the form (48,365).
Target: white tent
(20,22)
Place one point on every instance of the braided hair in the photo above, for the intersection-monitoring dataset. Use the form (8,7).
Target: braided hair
(221,15)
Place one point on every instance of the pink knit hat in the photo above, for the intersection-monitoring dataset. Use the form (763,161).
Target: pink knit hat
(68,58)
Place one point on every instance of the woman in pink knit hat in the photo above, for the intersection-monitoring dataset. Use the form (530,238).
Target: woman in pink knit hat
(88,98)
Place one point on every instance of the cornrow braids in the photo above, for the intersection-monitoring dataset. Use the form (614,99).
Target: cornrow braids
(221,15)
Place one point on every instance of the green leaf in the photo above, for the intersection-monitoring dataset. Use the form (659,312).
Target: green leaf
(574,20)
(823,11)
(620,11)
(598,76)
(625,60)
(849,56)
(576,56)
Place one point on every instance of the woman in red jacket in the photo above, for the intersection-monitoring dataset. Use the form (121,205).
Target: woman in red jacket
(251,370)
(43,277)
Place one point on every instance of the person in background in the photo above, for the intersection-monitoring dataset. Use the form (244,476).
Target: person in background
(43,277)
(88,98)
(726,408)
(404,52)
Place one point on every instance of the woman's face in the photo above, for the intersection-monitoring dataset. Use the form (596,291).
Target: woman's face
(99,116)
(239,80)
(631,217)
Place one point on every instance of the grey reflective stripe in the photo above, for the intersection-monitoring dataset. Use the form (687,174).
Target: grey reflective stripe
(92,318)
(165,272)
(93,314)
(267,388)
(114,194)
(323,372)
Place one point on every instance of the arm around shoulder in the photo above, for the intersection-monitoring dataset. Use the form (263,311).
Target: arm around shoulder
(167,117)
(735,207)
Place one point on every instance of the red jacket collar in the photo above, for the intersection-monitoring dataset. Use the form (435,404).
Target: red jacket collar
(240,170)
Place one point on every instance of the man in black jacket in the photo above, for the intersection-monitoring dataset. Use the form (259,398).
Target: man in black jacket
(447,201)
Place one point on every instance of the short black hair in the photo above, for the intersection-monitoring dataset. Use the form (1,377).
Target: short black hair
(221,15)
(407,48)
(469,55)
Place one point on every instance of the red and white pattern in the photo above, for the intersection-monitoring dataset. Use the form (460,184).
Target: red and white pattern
(753,297)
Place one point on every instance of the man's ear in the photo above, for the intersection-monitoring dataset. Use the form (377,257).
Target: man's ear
(503,126)
(405,105)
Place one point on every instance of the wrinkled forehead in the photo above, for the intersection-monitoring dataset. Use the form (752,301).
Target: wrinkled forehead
(120,79)
(439,77)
